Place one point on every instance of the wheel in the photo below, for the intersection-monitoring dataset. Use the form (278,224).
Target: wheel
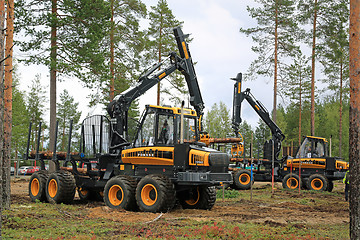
(60,187)
(90,195)
(331,186)
(199,197)
(318,182)
(242,180)
(119,192)
(84,194)
(291,181)
(155,193)
(37,185)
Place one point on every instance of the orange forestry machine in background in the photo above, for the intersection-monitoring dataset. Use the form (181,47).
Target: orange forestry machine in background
(318,170)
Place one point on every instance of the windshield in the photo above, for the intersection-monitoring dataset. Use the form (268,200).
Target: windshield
(311,149)
(146,134)
(163,128)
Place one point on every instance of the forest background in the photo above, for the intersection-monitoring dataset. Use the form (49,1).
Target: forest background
(137,37)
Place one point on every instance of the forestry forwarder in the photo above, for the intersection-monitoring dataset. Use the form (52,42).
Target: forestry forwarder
(318,169)
(165,162)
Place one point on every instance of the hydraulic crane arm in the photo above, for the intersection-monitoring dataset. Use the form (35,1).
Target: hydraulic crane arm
(186,67)
(239,96)
(118,109)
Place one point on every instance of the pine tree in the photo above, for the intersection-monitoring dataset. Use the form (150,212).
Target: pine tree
(36,108)
(327,123)
(275,38)
(296,76)
(126,44)
(333,53)
(20,121)
(7,118)
(67,111)
(65,36)
(218,121)
(2,67)
(319,14)
(162,42)
(354,117)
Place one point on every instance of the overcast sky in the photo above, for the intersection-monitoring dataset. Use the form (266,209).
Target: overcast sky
(218,47)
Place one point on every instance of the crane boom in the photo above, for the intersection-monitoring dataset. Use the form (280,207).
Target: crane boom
(119,107)
(239,96)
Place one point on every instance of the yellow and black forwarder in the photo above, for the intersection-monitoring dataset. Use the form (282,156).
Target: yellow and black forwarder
(165,160)
(318,169)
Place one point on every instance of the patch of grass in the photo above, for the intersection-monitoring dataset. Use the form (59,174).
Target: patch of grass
(228,193)
(50,221)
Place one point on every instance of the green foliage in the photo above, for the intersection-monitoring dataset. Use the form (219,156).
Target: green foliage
(262,133)
(334,48)
(248,136)
(80,26)
(67,111)
(20,120)
(327,124)
(297,79)
(36,109)
(263,35)
(128,45)
(217,121)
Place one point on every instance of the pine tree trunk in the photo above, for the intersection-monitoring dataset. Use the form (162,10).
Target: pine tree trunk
(2,56)
(354,117)
(275,63)
(112,55)
(312,125)
(341,108)
(8,103)
(53,55)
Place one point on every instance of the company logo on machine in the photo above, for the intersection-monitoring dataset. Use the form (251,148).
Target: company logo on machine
(310,162)
(149,153)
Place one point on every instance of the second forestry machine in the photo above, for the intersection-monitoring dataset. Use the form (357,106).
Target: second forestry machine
(312,168)
(164,162)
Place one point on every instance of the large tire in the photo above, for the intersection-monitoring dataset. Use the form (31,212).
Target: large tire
(199,197)
(90,195)
(155,193)
(331,186)
(60,187)
(318,182)
(119,192)
(242,180)
(84,194)
(37,185)
(291,181)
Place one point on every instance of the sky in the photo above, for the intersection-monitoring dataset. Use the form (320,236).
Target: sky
(219,49)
